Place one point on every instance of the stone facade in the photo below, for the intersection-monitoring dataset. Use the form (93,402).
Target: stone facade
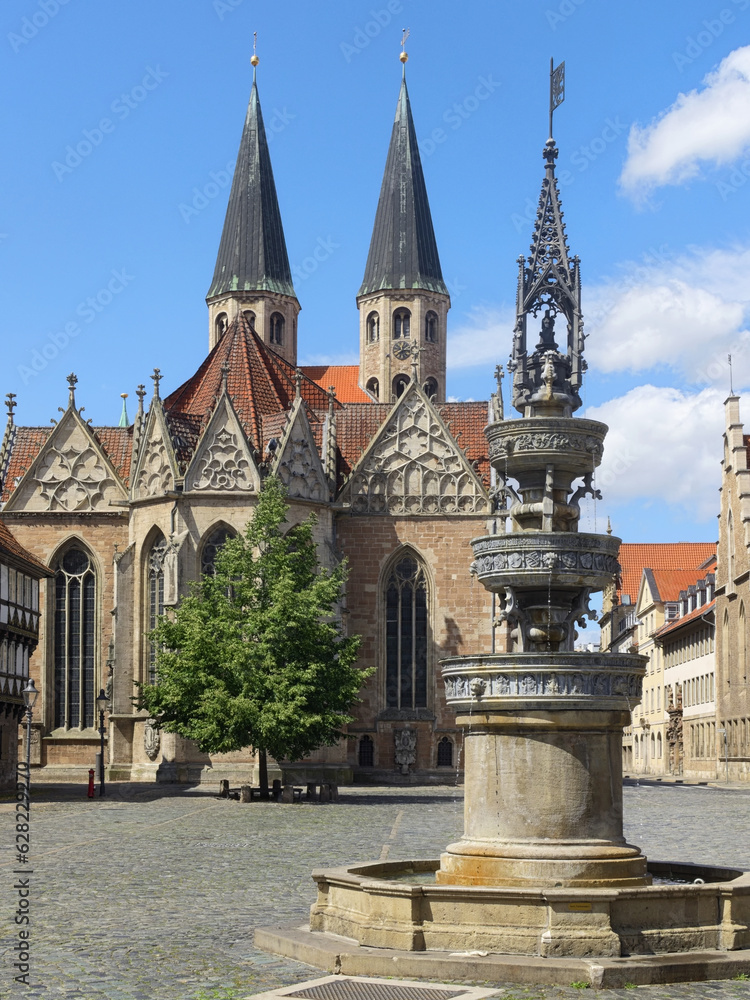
(732,746)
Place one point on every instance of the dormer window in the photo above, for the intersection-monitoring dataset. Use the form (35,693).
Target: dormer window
(373,328)
(277,329)
(401,324)
(431,327)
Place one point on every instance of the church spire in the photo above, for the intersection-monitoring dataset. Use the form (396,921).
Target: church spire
(252,271)
(549,290)
(403,251)
(403,299)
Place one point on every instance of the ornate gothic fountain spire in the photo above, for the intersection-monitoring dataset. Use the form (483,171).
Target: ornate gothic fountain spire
(549,291)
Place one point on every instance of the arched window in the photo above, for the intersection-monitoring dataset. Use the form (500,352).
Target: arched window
(277,328)
(366,752)
(725,657)
(221,323)
(211,547)
(373,328)
(658,746)
(430,388)
(400,384)
(74,639)
(373,387)
(431,327)
(155,595)
(730,553)
(250,317)
(406,635)
(742,639)
(445,752)
(401,324)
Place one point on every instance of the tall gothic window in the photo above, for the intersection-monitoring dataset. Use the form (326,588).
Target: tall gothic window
(74,640)
(277,329)
(431,327)
(401,324)
(406,636)
(211,548)
(155,596)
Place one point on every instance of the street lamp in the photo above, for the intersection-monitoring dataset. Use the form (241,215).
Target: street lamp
(101,704)
(30,694)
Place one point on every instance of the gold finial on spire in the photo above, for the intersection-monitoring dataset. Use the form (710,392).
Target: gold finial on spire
(404,55)
(609,526)
(254,60)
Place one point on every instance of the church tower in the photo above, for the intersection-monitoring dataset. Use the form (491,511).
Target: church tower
(252,273)
(403,301)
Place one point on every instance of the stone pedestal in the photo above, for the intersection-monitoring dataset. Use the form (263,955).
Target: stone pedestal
(543,771)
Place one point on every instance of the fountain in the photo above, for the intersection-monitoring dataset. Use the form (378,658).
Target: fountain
(542,869)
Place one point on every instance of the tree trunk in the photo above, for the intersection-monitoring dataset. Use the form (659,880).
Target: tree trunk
(263,774)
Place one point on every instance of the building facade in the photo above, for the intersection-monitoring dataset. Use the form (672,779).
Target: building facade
(125,517)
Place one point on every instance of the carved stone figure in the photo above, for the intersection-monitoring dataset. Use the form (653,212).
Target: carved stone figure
(405,754)
(151,739)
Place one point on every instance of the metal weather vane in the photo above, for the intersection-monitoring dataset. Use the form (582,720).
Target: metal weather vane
(556,89)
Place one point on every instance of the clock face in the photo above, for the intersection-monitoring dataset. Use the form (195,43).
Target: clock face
(402,350)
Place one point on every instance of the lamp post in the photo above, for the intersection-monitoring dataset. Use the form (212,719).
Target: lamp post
(30,694)
(101,704)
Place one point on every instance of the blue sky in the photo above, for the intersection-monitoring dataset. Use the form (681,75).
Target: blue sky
(121,122)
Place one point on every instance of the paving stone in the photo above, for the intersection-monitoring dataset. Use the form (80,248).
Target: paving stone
(155,891)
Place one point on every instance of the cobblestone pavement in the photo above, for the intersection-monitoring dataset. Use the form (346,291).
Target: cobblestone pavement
(154,892)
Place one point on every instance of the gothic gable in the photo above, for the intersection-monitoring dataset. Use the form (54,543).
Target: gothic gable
(71,472)
(298,464)
(156,466)
(223,459)
(414,466)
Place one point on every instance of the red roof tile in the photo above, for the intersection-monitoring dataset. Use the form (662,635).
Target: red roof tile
(12,547)
(636,556)
(670,582)
(344,379)
(259,381)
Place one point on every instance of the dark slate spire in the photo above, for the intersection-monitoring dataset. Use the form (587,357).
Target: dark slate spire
(252,253)
(403,251)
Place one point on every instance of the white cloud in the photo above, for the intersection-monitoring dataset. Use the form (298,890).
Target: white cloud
(711,125)
(686,313)
(483,340)
(663,446)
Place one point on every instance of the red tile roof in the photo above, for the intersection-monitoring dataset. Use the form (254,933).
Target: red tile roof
(10,546)
(260,382)
(466,422)
(670,582)
(677,623)
(636,556)
(344,379)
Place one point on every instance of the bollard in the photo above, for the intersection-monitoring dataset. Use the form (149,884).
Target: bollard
(91,783)
(334,792)
(312,795)
(224,788)
(325,792)
(276,789)
(244,793)
(287,793)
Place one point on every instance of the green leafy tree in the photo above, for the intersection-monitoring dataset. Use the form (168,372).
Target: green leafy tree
(255,654)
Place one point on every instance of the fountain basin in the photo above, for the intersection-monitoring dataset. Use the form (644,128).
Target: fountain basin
(533,442)
(370,904)
(566,560)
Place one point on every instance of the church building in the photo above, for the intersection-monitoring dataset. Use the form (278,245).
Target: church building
(126,516)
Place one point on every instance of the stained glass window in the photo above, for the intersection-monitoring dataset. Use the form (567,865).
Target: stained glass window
(406,636)
(74,640)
